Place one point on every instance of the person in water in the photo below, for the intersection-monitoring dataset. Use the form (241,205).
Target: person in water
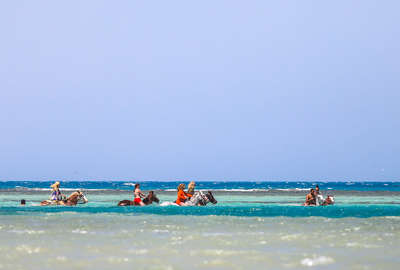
(317,190)
(138,195)
(329,200)
(56,194)
(319,199)
(182,195)
(191,188)
(23,202)
(310,198)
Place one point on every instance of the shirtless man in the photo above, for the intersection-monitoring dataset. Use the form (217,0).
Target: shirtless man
(310,198)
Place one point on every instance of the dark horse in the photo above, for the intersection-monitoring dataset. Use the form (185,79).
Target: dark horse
(72,200)
(151,197)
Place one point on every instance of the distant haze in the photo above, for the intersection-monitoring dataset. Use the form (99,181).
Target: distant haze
(206,90)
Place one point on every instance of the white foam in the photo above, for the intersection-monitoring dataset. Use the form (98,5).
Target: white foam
(358,245)
(292,189)
(290,237)
(129,184)
(28,249)
(61,258)
(62,189)
(228,190)
(80,231)
(160,231)
(321,260)
(27,232)
(138,251)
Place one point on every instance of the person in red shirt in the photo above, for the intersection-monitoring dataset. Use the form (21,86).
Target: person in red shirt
(182,195)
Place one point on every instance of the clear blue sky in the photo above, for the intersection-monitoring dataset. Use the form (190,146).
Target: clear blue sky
(206,90)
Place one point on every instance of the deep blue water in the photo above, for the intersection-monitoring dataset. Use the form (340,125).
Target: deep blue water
(156,185)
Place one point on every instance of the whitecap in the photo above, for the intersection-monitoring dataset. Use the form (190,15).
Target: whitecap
(290,237)
(160,231)
(80,231)
(28,249)
(322,260)
(138,251)
(129,184)
(61,258)
(27,232)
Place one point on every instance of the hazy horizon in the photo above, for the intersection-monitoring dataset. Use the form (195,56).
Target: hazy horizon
(213,90)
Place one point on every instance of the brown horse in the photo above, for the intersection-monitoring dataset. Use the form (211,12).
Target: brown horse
(151,197)
(70,201)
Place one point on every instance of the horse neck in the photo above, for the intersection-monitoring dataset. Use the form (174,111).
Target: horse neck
(73,198)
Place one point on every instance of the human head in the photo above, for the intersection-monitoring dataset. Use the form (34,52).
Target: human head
(23,202)
(181,187)
(317,188)
(55,185)
(312,190)
(192,184)
(137,186)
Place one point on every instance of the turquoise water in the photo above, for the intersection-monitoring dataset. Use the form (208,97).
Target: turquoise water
(263,199)
(254,225)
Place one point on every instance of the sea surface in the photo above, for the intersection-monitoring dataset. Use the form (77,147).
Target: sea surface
(254,225)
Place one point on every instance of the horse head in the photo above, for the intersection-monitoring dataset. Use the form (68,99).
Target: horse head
(151,197)
(201,198)
(75,197)
(211,198)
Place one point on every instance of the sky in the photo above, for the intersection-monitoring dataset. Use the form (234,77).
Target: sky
(200,90)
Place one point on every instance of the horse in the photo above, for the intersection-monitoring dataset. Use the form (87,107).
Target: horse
(150,198)
(72,200)
(199,198)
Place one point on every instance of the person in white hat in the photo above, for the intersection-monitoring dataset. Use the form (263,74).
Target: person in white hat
(56,193)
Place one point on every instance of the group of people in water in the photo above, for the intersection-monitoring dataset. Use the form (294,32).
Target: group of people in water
(140,199)
(314,197)
(181,200)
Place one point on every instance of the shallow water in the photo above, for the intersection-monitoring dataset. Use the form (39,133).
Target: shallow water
(126,241)
(261,228)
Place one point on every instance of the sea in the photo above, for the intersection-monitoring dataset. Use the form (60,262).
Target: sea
(254,225)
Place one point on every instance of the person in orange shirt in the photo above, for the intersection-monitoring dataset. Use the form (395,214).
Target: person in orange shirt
(182,195)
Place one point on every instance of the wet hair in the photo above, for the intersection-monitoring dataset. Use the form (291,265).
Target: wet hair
(181,187)
(192,184)
(316,186)
(23,202)
(311,190)
(136,185)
